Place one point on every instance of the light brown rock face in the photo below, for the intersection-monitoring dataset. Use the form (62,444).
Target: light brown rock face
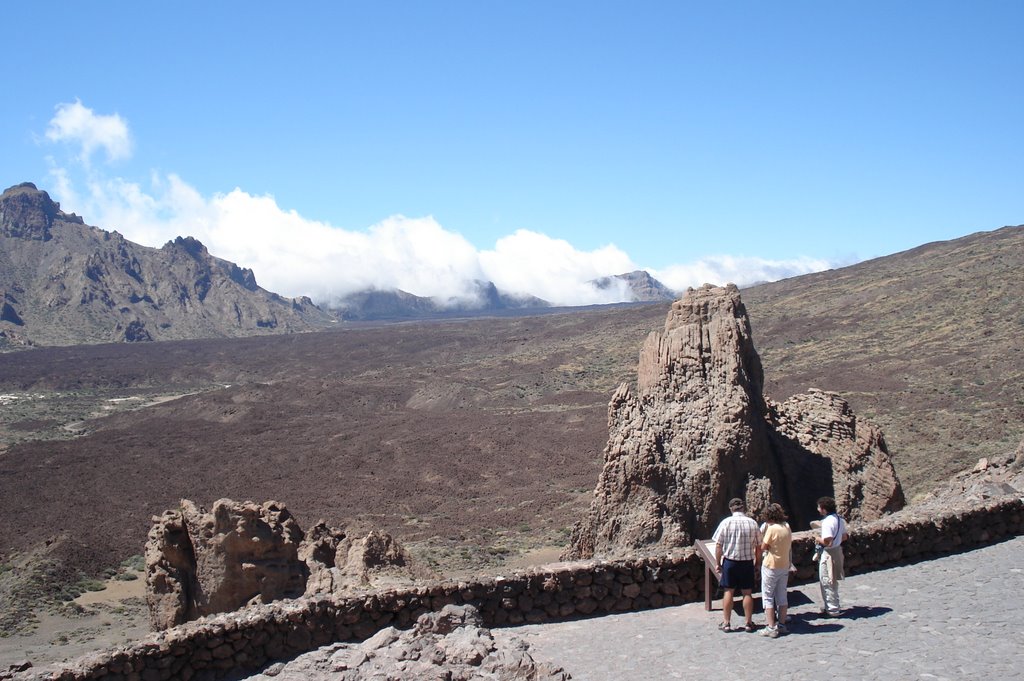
(200,563)
(170,572)
(822,444)
(697,431)
(338,565)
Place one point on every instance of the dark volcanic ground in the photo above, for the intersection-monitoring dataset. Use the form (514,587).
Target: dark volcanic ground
(478,439)
(485,435)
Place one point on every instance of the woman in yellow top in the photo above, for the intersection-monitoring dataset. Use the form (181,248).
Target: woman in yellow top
(776,541)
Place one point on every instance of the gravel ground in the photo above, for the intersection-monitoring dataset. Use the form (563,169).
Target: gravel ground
(951,618)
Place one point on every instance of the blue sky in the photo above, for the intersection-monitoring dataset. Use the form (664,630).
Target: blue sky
(333,146)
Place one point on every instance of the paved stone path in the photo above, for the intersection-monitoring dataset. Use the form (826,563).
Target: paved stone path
(952,618)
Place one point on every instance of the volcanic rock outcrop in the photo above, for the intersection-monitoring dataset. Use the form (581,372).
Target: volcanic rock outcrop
(339,564)
(697,430)
(199,563)
(240,553)
(821,442)
(451,644)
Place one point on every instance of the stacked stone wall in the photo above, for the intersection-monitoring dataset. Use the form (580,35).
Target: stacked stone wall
(246,640)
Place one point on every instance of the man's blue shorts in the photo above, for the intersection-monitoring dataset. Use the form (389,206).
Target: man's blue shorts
(737,574)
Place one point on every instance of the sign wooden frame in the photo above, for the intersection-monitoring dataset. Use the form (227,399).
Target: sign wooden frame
(706,550)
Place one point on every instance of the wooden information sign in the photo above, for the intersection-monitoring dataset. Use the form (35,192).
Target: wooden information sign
(706,549)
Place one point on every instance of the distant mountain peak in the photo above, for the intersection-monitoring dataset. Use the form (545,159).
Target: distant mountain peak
(190,245)
(26,212)
(642,286)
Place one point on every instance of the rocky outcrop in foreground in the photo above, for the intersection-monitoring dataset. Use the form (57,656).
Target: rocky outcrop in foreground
(201,562)
(697,430)
(450,645)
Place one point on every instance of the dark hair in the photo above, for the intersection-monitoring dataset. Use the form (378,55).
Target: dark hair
(736,504)
(827,503)
(775,514)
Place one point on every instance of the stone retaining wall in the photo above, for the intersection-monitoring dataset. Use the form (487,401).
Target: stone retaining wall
(246,640)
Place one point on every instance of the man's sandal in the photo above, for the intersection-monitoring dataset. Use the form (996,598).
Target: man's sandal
(724,626)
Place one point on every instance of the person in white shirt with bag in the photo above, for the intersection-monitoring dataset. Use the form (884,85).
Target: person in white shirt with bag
(830,564)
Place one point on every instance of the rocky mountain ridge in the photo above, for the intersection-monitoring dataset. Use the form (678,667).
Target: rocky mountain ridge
(396,304)
(376,304)
(63,282)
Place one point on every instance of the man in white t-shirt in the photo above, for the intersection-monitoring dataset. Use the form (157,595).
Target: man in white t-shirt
(830,565)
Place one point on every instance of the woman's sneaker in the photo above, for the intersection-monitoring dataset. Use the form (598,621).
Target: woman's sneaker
(770,632)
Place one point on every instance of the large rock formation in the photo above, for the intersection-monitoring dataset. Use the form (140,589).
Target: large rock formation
(697,430)
(199,563)
(824,447)
(63,282)
(240,553)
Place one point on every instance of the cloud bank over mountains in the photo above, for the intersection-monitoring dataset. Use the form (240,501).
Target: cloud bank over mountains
(293,255)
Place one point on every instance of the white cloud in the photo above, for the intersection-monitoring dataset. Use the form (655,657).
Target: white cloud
(553,269)
(419,255)
(739,270)
(295,256)
(79,125)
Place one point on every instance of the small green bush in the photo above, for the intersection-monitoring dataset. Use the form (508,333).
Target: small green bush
(91,585)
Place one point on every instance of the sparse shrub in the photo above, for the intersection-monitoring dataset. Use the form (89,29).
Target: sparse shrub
(70,592)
